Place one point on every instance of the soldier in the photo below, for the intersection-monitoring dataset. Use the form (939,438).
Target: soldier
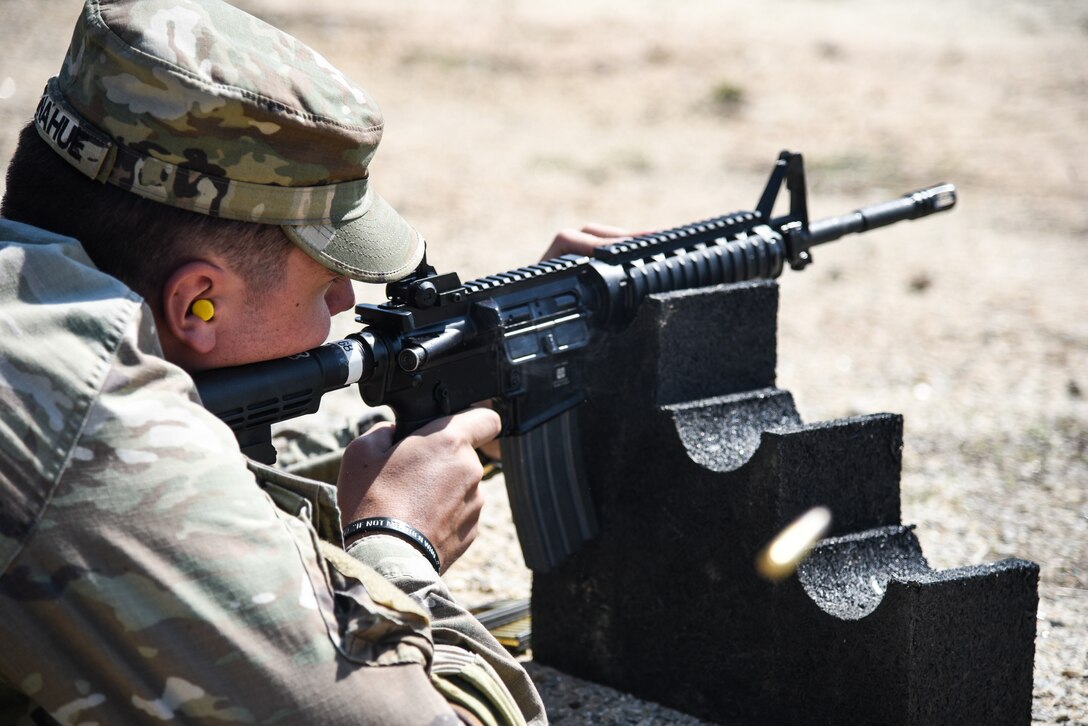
(193,192)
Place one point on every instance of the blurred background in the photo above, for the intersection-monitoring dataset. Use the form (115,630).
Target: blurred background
(508,120)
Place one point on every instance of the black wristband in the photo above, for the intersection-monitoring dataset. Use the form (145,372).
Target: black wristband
(402,529)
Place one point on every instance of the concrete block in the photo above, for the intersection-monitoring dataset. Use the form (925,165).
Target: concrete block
(696,461)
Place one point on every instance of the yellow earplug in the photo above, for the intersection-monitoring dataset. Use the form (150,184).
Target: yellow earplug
(203,309)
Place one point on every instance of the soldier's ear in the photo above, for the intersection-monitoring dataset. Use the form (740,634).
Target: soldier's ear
(204,285)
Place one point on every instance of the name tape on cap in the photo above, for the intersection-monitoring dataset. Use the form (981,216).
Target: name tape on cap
(79,143)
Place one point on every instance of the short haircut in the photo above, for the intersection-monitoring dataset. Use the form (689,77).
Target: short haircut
(137,240)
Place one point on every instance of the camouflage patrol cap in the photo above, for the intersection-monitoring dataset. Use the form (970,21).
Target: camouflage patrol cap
(199,105)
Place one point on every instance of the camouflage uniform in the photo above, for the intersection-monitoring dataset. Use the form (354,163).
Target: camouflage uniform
(148,572)
(145,574)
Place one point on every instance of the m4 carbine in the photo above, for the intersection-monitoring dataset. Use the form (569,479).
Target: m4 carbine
(524,338)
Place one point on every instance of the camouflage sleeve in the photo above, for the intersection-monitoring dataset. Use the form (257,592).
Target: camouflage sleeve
(470,667)
(161,583)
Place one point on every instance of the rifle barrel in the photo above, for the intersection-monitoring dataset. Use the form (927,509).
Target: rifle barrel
(917,204)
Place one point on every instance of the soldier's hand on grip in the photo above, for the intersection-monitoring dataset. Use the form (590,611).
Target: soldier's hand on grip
(429,480)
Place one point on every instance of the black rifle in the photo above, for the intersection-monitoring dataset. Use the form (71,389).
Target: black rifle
(523,338)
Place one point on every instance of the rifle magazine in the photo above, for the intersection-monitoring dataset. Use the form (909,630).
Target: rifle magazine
(549,497)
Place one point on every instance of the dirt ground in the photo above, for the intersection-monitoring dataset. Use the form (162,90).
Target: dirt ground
(508,120)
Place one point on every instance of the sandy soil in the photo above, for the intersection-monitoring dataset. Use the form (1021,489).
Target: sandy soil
(507,120)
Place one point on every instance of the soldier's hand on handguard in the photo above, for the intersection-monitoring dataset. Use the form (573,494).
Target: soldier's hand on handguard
(429,480)
(582,241)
